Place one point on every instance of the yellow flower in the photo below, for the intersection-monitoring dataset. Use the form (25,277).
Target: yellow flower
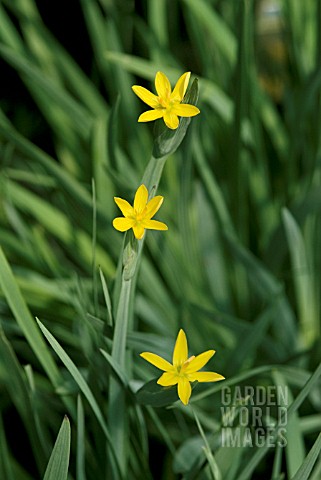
(139,216)
(183,370)
(167,104)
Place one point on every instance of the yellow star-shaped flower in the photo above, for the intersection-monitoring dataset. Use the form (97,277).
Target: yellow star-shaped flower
(183,370)
(166,104)
(139,216)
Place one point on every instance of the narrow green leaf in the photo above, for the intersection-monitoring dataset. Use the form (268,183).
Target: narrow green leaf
(57,468)
(55,93)
(25,321)
(58,224)
(116,368)
(62,176)
(294,449)
(304,471)
(262,451)
(82,384)
(6,469)
(17,387)
(214,469)
(303,281)
(215,26)
(107,298)
(81,440)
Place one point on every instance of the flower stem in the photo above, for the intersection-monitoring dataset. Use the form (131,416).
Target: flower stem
(214,469)
(131,256)
(166,143)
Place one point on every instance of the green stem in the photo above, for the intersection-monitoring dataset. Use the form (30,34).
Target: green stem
(131,256)
(214,470)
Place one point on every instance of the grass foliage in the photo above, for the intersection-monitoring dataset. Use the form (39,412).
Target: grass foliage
(239,269)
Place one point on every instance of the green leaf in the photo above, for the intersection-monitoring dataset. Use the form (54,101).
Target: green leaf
(294,449)
(26,322)
(6,470)
(303,281)
(304,471)
(82,384)
(57,468)
(81,440)
(262,451)
(153,394)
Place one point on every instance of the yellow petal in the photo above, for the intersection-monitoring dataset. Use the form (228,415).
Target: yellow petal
(139,231)
(167,379)
(140,200)
(184,390)
(205,377)
(158,361)
(122,224)
(185,110)
(126,209)
(155,225)
(151,115)
(180,349)
(145,95)
(198,362)
(181,87)
(163,87)
(171,120)
(153,206)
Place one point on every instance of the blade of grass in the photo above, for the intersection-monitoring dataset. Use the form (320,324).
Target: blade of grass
(214,469)
(294,449)
(57,223)
(6,469)
(78,114)
(82,384)
(218,31)
(25,320)
(107,298)
(63,178)
(19,393)
(57,468)
(305,469)
(303,281)
(81,441)
(261,452)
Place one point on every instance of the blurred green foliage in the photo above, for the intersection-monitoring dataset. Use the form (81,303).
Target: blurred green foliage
(239,268)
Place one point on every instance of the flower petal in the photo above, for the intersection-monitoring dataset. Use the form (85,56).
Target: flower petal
(153,206)
(145,95)
(181,87)
(140,200)
(163,87)
(185,110)
(126,209)
(167,379)
(205,377)
(198,362)
(139,231)
(122,224)
(158,361)
(155,225)
(151,115)
(171,120)
(180,349)
(184,390)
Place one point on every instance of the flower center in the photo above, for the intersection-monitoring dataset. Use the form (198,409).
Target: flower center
(166,102)
(179,371)
(140,215)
